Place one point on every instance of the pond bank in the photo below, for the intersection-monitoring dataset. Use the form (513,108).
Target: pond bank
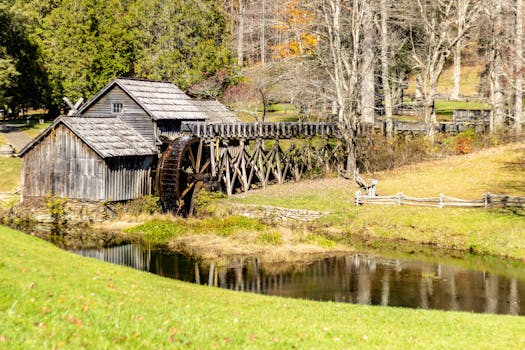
(213,238)
(56,299)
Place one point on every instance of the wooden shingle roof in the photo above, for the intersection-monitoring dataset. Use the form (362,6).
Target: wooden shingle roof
(163,101)
(216,111)
(108,137)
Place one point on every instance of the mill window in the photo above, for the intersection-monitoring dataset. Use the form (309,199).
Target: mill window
(117,107)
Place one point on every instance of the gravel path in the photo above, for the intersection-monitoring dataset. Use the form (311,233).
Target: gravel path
(14,135)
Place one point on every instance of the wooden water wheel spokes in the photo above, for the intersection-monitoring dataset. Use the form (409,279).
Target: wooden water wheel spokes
(183,170)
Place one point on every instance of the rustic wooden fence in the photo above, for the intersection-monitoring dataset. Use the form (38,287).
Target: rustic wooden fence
(488,200)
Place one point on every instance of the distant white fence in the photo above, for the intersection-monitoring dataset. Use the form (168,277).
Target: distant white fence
(488,200)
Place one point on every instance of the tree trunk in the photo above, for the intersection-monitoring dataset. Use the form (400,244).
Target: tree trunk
(263,33)
(385,66)
(497,94)
(367,67)
(457,72)
(518,108)
(419,88)
(240,34)
(430,117)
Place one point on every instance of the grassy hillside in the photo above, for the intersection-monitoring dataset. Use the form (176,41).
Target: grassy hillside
(469,83)
(494,232)
(52,299)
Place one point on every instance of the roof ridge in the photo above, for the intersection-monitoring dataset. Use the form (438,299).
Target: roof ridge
(145,80)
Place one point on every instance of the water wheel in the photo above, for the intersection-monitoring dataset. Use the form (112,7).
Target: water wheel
(183,170)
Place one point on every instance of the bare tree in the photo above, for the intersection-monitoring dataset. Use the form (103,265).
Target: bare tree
(342,25)
(518,69)
(462,12)
(385,67)
(496,60)
(367,67)
(434,33)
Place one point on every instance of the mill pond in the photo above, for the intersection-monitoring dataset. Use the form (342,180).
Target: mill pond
(354,278)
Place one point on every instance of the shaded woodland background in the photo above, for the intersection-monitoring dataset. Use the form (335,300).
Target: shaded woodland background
(347,61)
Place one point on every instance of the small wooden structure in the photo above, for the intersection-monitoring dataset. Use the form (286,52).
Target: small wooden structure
(154,109)
(88,158)
(137,137)
(108,150)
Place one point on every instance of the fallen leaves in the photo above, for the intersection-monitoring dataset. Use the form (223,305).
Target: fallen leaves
(171,332)
(74,320)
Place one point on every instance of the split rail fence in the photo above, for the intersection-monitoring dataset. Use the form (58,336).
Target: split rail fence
(488,200)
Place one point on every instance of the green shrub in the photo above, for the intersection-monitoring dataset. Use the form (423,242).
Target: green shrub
(56,207)
(207,203)
(159,231)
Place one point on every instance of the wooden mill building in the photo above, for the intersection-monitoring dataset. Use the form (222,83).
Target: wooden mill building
(108,150)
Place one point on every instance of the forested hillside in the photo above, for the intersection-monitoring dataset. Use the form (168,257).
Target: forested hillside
(351,60)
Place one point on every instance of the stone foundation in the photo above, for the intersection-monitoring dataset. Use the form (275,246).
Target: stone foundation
(74,211)
(276,214)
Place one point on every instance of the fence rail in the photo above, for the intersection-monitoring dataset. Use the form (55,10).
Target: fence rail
(488,200)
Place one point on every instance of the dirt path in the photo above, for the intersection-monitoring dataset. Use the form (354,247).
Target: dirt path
(14,135)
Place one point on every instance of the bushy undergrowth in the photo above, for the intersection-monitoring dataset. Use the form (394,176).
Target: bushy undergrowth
(207,203)
(142,205)
(376,153)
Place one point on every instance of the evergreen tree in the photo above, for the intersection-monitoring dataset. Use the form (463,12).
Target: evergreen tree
(23,81)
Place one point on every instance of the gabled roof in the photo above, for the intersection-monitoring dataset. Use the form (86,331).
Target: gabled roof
(160,100)
(108,137)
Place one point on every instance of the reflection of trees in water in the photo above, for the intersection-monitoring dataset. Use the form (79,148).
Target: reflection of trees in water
(370,280)
(353,278)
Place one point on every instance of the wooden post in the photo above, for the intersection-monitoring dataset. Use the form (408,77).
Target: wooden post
(400,198)
(486,199)
(441,204)
(357,197)
(212,159)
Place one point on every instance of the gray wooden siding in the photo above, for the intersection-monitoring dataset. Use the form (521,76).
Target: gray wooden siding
(63,166)
(133,114)
(129,177)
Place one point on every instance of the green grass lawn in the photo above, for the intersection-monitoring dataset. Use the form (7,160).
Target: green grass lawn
(34,128)
(10,169)
(50,298)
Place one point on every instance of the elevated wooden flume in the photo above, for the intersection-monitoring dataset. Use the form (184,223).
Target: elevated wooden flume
(238,157)
(261,130)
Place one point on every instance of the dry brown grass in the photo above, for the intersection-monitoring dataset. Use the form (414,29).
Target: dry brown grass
(496,170)
(464,176)
(3,140)
(214,248)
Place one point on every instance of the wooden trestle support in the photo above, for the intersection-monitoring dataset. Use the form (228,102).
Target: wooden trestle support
(240,161)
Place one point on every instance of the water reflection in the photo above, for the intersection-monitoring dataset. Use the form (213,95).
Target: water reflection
(354,278)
